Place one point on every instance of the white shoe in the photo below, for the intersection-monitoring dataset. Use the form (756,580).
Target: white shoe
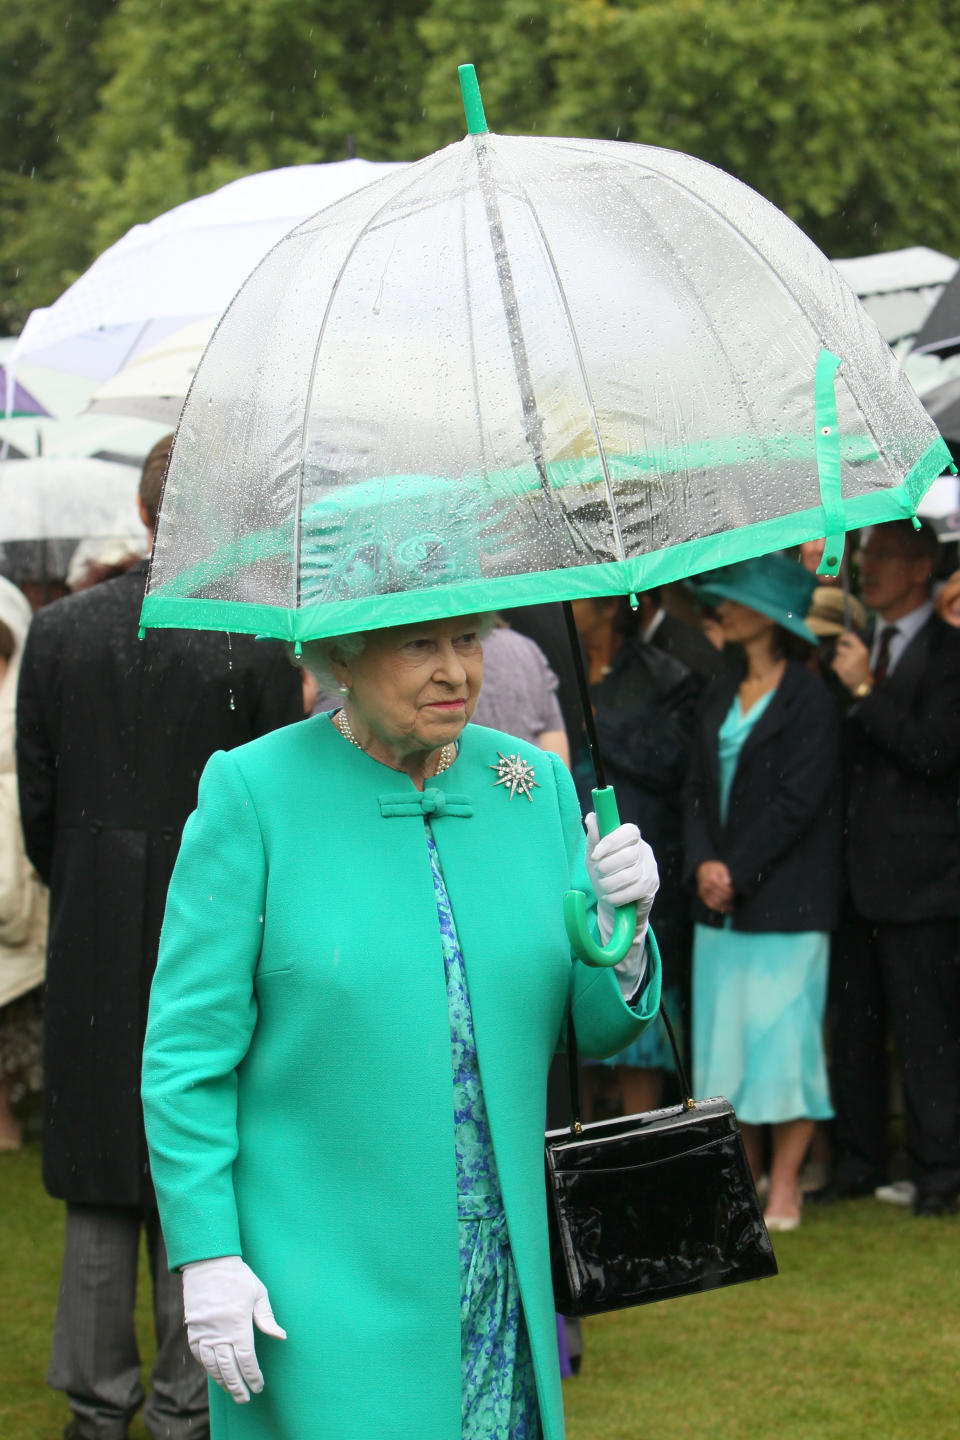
(901,1192)
(781,1222)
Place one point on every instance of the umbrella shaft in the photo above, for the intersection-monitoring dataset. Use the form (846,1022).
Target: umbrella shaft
(583,685)
(533,424)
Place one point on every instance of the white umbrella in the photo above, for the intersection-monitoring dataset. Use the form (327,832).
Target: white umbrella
(154,385)
(56,499)
(899,288)
(185,264)
(62,395)
(122,438)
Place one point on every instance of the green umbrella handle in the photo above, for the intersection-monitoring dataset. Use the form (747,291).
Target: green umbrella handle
(575,902)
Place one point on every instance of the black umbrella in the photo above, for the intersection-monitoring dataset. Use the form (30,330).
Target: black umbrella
(940,333)
(943,406)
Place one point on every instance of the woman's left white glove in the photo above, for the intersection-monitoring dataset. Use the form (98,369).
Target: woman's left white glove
(222,1301)
(622,871)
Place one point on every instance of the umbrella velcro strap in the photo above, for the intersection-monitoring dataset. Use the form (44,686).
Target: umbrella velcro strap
(827,440)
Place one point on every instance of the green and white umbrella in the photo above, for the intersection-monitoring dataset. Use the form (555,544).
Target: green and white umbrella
(520,370)
(525,369)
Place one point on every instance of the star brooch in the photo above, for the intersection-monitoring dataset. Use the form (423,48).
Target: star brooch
(517,774)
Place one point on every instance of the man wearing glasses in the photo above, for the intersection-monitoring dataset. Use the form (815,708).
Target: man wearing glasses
(894,957)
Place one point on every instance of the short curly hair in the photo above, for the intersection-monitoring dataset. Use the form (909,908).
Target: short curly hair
(152,477)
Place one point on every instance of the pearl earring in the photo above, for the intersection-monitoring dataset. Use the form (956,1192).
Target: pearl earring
(344,689)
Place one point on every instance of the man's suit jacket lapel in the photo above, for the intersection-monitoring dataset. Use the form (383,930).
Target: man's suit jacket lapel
(913,661)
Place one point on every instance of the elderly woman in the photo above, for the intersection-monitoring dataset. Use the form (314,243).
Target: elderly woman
(363,976)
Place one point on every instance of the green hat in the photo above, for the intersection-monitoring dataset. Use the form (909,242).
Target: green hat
(772,584)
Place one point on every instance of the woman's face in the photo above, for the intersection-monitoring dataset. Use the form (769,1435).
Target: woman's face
(593,618)
(414,687)
(740,624)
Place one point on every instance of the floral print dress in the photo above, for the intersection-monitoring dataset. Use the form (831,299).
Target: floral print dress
(499,1393)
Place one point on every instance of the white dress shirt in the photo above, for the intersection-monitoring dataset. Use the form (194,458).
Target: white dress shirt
(908,627)
(651,629)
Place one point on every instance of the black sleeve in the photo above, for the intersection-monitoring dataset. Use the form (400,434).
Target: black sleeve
(806,769)
(924,740)
(37,749)
(653,747)
(280,693)
(698,843)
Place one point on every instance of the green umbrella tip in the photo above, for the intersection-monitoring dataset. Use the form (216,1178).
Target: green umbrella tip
(472,102)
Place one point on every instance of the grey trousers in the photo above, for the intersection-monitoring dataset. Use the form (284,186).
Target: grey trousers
(94,1357)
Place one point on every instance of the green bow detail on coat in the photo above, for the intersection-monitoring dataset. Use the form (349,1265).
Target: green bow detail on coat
(428,803)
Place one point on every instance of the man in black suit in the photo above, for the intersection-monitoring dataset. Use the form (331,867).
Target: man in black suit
(894,958)
(112,734)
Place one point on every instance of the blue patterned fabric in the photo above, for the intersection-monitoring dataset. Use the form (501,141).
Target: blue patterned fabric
(498,1389)
(652,1050)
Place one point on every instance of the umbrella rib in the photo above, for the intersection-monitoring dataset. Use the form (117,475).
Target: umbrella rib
(779,279)
(693,292)
(473,348)
(365,228)
(585,380)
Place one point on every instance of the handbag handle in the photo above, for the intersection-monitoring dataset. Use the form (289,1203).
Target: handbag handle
(573,1056)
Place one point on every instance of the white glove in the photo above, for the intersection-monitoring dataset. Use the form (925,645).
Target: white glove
(622,870)
(222,1301)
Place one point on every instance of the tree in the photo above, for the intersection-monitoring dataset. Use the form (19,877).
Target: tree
(193,93)
(49,92)
(842,112)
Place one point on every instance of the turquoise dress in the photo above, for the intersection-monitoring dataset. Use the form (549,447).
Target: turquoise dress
(498,1388)
(758,1000)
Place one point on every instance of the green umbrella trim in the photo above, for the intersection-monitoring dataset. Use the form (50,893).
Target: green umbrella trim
(827,435)
(161,609)
(513,483)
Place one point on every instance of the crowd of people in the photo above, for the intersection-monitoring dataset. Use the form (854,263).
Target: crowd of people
(787,746)
(801,795)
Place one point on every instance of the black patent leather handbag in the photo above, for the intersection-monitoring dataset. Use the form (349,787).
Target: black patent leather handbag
(653,1206)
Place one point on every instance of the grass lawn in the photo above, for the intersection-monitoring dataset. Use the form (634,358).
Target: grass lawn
(858,1337)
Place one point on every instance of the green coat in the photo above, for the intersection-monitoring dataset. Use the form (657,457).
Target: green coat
(297,1077)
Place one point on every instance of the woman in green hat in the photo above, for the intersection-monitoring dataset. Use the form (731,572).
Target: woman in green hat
(763,848)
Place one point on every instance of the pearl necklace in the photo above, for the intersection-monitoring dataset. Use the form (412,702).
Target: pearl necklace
(447,755)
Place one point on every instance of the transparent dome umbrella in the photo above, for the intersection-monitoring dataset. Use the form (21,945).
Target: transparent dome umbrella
(524,370)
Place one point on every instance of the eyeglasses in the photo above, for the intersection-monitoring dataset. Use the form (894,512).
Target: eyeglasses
(881,555)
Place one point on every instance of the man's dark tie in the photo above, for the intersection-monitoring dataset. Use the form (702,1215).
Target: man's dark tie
(883,653)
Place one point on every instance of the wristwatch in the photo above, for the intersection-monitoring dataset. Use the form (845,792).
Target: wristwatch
(863,689)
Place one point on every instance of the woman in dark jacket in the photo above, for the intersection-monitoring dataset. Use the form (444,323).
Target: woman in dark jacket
(763,847)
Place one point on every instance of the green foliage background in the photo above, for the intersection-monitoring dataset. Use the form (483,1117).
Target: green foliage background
(842,112)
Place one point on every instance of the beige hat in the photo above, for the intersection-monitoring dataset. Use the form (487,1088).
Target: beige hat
(826,614)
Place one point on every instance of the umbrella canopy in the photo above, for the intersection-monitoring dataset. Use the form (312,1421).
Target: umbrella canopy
(155,385)
(185,264)
(522,370)
(99,437)
(20,402)
(57,499)
(940,334)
